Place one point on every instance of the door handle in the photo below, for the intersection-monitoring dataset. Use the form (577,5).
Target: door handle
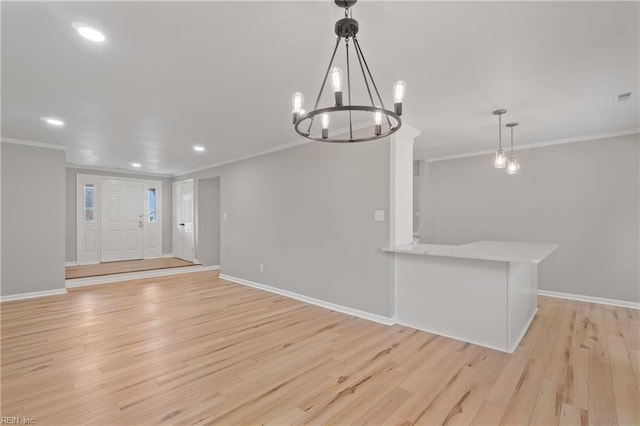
(181,224)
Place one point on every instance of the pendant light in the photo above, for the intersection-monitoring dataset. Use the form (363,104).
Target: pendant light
(512,164)
(501,160)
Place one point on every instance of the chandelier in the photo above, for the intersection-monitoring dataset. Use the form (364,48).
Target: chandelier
(385,122)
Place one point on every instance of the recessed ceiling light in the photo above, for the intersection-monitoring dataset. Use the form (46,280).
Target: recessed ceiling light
(136,165)
(198,148)
(52,121)
(89,33)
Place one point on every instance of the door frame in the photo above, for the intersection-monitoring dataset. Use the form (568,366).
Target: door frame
(88,234)
(174,230)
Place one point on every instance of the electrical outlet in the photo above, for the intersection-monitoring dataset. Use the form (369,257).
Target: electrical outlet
(261,267)
(224,216)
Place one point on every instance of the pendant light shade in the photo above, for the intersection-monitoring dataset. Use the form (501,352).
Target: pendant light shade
(501,159)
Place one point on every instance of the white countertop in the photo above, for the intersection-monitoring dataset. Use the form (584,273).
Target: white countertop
(503,251)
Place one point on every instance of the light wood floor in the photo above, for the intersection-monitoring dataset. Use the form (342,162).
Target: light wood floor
(109,268)
(196,349)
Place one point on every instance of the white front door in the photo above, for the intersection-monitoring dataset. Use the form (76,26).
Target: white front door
(183,232)
(122,220)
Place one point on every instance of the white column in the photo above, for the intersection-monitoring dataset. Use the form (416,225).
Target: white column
(401,206)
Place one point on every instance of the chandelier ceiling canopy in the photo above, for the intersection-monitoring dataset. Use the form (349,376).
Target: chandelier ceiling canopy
(315,124)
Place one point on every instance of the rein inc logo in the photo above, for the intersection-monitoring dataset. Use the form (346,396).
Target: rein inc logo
(4,420)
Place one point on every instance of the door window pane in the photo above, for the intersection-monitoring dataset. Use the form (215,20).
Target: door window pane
(151,205)
(89,206)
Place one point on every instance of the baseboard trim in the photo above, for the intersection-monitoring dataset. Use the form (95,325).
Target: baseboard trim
(33,295)
(449,336)
(313,301)
(128,276)
(590,299)
(167,255)
(514,345)
(67,264)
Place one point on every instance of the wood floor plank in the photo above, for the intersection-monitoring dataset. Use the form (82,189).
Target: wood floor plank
(195,349)
(602,408)
(624,385)
(385,408)
(573,416)
(576,387)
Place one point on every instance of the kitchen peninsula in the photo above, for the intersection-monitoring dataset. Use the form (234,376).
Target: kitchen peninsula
(483,292)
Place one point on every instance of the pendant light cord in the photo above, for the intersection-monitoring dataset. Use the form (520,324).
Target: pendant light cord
(511,141)
(500,131)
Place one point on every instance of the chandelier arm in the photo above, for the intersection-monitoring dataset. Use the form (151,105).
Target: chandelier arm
(355,41)
(349,89)
(364,75)
(324,82)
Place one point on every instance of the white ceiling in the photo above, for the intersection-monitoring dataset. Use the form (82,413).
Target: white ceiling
(221,74)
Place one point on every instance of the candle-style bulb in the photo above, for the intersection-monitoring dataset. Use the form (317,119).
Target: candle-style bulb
(325,125)
(297,100)
(336,83)
(399,91)
(377,119)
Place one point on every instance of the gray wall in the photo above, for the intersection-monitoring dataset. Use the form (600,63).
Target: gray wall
(70,224)
(583,196)
(208,221)
(307,214)
(33,221)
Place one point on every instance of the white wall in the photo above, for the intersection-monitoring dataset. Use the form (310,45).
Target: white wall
(583,196)
(33,210)
(208,221)
(307,214)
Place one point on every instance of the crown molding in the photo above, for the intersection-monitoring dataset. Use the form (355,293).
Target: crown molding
(541,144)
(119,171)
(282,147)
(246,157)
(33,143)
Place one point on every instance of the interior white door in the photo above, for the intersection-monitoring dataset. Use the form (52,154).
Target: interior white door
(183,217)
(122,236)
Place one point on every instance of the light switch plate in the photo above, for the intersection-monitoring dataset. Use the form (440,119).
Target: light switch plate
(378,215)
